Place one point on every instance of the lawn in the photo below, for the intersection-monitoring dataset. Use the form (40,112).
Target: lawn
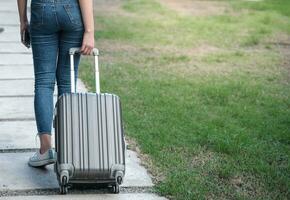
(205,96)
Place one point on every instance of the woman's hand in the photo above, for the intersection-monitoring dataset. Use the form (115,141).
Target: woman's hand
(24,30)
(88,19)
(88,43)
(22,9)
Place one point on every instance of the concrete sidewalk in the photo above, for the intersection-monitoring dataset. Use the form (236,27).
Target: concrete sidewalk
(18,130)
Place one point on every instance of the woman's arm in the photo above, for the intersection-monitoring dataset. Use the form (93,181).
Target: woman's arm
(22,10)
(88,20)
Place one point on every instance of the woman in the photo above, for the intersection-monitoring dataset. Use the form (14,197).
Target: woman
(55,27)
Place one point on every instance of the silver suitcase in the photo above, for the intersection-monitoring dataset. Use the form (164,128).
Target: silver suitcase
(89,140)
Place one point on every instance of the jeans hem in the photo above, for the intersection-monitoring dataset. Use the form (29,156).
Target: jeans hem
(44,132)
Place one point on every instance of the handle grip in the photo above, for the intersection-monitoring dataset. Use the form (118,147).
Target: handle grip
(76,50)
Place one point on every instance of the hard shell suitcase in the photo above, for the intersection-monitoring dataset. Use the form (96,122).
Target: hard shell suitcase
(89,140)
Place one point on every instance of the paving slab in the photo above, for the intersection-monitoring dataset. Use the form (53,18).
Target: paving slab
(133,196)
(10,6)
(16,72)
(15,59)
(17,108)
(26,87)
(17,175)
(10,34)
(19,135)
(20,107)
(10,17)
(16,87)
(14,47)
(8,2)
(81,87)
(136,175)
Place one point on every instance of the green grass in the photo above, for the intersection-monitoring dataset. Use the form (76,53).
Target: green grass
(206,97)
(278,6)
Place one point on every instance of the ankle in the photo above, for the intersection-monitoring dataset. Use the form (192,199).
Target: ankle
(45,143)
(44,149)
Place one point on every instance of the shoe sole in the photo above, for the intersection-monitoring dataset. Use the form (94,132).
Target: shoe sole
(41,163)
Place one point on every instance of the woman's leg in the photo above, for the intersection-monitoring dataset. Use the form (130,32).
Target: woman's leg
(45,142)
(44,41)
(67,40)
(44,47)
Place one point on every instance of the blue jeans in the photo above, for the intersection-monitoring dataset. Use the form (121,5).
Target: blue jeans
(55,27)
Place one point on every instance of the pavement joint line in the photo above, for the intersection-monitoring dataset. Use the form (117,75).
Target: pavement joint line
(6,52)
(95,190)
(17,119)
(10,41)
(16,65)
(15,79)
(9,25)
(17,96)
(8,11)
(26,150)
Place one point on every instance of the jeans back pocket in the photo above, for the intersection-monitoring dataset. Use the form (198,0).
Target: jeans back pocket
(74,13)
(37,12)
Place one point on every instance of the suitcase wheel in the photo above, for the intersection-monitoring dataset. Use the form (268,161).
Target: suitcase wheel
(119,180)
(63,189)
(116,188)
(64,185)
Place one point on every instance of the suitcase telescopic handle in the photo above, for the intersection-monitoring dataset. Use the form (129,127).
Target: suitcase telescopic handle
(76,50)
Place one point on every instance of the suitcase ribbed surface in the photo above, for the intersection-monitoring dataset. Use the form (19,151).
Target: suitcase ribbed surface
(89,133)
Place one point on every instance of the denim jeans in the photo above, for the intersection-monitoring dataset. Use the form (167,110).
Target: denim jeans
(55,27)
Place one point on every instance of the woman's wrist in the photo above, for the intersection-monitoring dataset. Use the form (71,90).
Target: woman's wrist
(24,21)
(89,31)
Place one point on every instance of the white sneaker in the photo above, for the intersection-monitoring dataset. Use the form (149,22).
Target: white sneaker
(38,160)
